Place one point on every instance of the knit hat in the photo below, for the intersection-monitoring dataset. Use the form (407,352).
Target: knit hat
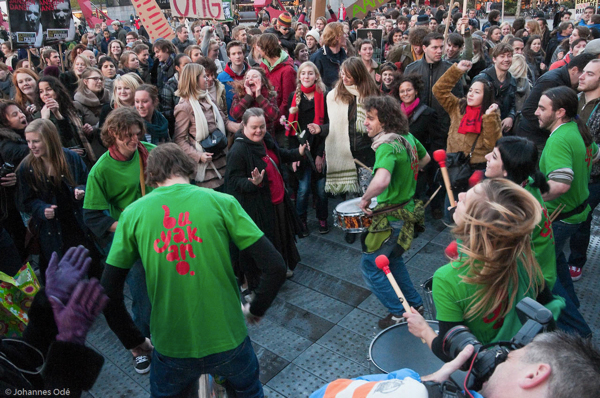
(285,19)
(422,20)
(593,47)
(51,71)
(315,34)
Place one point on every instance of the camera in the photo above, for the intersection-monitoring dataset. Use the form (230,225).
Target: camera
(6,168)
(535,319)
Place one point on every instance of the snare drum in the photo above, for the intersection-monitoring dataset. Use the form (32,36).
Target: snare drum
(396,348)
(350,218)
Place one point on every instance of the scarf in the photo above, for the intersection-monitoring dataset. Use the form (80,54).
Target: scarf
(234,75)
(361,114)
(471,121)
(202,130)
(341,171)
(158,128)
(409,109)
(319,108)
(118,156)
(90,100)
(164,66)
(415,56)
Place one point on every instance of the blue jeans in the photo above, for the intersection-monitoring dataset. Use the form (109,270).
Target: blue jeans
(140,306)
(570,318)
(178,377)
(304,188)
(581,239)
(378,281)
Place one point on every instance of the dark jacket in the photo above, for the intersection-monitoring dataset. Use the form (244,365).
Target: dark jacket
(430,73)
(67,365)
(423,124)
(13,147)
(70,81)
(181,46)
(104,44)
(256,200)
(288,41)
(35,202)
(328,64)
(505,94)
(529,125)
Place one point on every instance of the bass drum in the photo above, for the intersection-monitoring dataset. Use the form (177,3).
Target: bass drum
(396,348)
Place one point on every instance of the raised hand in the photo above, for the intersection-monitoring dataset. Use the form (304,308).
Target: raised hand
(63,276)
(257,177)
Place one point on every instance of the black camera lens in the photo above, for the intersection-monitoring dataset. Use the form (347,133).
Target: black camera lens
(457,339)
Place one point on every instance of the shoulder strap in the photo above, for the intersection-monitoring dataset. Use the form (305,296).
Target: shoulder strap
(142,179)
(473,146)
(420,109)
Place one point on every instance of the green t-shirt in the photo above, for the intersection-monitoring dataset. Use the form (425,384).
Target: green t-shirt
(542,239)
(395,158)
(453,297)
(565,149)
(182,235)
(113,185)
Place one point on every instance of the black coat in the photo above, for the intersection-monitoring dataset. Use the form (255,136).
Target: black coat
(529,126)
(431,73)
(35,202)
(256,200)
(328,64)
(505,94)
(288,41)
(13,147)
(423,124)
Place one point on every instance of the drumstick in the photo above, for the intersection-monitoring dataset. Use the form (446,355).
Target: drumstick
(432,196)
(462,29)
(361,164)
(557,212)
(383,263)
(440,157)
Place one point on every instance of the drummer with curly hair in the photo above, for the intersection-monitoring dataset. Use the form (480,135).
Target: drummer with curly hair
(398,158)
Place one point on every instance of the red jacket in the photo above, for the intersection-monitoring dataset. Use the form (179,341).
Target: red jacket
(283,78)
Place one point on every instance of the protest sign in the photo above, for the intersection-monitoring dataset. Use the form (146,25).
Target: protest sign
(57,21)
(153,20)
(203,9)
(24,19)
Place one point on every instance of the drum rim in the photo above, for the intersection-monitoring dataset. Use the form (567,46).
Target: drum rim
(429,321)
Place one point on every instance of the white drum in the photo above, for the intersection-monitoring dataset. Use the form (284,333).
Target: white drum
(350,218)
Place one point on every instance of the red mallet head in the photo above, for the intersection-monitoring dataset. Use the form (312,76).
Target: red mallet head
(383,263)
(452,250)
(440,157)
(476,178)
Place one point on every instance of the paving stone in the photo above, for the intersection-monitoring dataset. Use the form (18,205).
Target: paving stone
(373,305)
(270,363)
(429,259)
(361,322)
(297,320)
(317,302)
(328,365)
(329,285)
(443,238)
(347,344)
(114,383)
(270,393)
(278,339)
(294,381)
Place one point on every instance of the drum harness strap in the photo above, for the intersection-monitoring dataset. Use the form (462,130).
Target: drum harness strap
(380,230)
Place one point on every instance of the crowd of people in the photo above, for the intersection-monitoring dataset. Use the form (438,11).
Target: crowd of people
(187,168)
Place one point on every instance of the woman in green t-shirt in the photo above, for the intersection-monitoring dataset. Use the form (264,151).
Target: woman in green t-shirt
(496,268)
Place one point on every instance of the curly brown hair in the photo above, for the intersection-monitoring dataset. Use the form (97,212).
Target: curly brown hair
(389,113)
(117,124)
(412,78)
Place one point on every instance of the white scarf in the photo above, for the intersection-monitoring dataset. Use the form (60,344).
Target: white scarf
(202,130)
(394,140)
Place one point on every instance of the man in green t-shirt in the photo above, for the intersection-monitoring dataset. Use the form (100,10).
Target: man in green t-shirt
(398,158)
(197,321)
(566,162)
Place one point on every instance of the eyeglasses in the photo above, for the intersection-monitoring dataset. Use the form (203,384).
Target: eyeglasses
(96,79)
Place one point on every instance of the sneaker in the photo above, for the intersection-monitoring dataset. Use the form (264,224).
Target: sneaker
(323,228)
(304,232)
(575,273)
(142,364)
(349,238)
(392,320)
(289,273)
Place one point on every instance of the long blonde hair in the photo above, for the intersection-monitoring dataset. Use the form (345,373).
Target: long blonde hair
(496,237)
(319,83)
(55,155)
(519,67)
(188,81)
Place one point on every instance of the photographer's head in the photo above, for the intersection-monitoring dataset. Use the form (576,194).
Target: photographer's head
(556,365)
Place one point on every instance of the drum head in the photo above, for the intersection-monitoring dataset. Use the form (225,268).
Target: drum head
(351,206)
(396,348)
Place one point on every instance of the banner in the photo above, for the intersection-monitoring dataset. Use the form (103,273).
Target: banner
(153,20)
(203,9)
(362,7)
(581,4)
(57,21)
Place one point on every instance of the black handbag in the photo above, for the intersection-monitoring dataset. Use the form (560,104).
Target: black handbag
(459,168)
(215,143)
